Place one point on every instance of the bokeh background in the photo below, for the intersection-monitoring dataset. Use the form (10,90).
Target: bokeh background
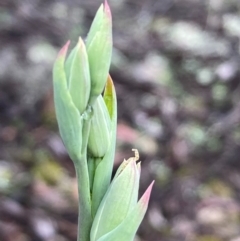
(176,70)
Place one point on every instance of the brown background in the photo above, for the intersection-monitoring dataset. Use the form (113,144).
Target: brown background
(176,70)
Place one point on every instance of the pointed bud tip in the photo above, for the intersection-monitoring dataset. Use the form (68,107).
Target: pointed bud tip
(64,49)
(145,198)
(107,9)
(81,44)
(80,41)
(109,88)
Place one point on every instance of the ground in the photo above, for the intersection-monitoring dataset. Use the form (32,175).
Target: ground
(176,71)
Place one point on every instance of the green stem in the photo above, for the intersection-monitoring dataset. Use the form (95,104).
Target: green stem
(85,203)
(91,171)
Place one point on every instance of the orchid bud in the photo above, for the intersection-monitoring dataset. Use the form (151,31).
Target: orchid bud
(78,76)
(99,50)
(103,171)
(68,116)
(99,136)
(87,123)
(117,206)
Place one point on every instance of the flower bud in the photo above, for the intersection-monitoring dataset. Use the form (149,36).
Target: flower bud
(78,76)
(99,49)
(103,171)
(127,229)
(116,208)
(68,116)
(99,136)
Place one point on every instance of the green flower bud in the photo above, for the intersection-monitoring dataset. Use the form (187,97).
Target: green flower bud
(99,49)
(78,76)
(68,116)
(99,136)
(127,229)
(71,82)
(118,204)
(103,171)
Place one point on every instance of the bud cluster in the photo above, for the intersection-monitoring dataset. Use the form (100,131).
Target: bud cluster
(81,77)
(87,123)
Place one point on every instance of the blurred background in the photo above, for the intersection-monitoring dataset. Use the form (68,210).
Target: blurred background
(176,71)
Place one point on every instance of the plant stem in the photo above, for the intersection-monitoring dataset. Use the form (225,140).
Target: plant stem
(84,204)
(84,196)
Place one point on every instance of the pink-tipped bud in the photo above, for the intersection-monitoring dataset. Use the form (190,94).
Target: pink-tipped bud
(62,53)
(99,49)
